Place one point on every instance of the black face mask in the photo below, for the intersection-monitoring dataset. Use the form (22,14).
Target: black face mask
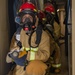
(50,18)
(28,25)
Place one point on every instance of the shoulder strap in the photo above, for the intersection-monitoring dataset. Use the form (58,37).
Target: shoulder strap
(38,36)
(17,37)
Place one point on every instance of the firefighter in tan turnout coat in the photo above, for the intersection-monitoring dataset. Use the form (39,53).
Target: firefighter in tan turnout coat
(52,27)
(30,47)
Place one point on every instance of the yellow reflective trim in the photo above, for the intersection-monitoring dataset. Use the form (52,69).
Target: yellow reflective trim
(20,10)
(56,65)
(52,12)
(32,55)
(27,49)
(34,49)
(35,10)
(43,18)
(23,48)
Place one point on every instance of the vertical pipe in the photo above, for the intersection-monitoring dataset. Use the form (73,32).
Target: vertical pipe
(41,4)
(61,22)
(73,37)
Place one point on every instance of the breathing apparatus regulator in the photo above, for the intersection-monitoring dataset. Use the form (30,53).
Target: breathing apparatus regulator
(26,8)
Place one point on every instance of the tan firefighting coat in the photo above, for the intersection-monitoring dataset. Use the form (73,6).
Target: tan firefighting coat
(57,30)
(54,42)
(42,54)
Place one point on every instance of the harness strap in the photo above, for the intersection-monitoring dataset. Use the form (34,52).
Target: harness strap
(17,37)
(38,36)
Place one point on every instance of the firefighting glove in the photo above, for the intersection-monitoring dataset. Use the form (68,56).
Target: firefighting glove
(36,67)
(8,58)
(19,56)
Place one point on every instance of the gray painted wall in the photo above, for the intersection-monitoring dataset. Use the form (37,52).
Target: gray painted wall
(4,36)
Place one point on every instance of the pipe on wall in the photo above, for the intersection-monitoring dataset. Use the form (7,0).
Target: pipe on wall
(73,37)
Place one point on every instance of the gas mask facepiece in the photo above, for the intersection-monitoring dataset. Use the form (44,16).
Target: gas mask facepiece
(50,18)
(28,25)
